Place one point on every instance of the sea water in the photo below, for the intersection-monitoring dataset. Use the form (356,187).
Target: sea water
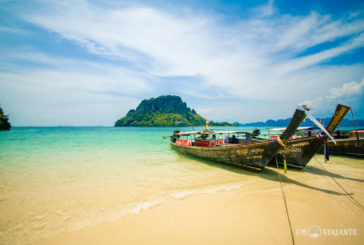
(64,179)
(61,179)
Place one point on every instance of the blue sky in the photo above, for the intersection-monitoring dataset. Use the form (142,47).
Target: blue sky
(88,62)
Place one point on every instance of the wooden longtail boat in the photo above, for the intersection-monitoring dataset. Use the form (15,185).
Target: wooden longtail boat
(347,146)
(298,152)
(243,153)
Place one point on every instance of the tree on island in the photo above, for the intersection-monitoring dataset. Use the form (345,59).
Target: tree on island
(4,121)
(163,111)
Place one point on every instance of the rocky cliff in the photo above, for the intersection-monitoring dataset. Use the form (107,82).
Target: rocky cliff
(165,110)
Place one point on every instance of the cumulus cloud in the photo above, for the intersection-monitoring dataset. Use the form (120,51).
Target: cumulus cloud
(348,89)
(346,94)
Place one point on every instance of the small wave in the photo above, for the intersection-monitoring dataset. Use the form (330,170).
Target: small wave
(35,227)
(102,215)
(143,206)
(38,226)
(219,188)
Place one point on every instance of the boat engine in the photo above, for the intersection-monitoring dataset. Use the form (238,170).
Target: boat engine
(256,132)
(175,136)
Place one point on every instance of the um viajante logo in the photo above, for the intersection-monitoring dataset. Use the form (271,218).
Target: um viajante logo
(315,232)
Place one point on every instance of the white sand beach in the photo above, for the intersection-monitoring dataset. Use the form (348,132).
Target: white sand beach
(324,204)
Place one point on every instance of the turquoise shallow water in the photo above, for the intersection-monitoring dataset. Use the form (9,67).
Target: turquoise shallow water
(63,179)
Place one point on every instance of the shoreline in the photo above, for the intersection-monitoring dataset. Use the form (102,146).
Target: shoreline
(324,197)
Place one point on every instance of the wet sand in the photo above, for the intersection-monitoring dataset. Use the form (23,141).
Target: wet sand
(324,203)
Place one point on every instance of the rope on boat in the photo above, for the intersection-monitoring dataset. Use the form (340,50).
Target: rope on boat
(278,141)
(356,130)
(326,149)
(326,152)
(320,138)
(352,199)
(285,204)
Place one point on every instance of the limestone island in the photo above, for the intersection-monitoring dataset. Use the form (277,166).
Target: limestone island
(4,121)
(164,111)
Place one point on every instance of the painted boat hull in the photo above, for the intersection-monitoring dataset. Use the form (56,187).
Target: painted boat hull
(298,152)
(252,156)
(346,147)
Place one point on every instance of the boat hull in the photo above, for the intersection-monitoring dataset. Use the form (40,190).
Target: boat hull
(248,155)
(346,147)
(252,156)
(298,152)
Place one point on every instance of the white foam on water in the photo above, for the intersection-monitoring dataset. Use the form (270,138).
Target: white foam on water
(211,190)
(143,206)
(36,227)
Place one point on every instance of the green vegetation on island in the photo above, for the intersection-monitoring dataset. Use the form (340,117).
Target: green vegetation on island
(223,124)
(4,121)
(163,111)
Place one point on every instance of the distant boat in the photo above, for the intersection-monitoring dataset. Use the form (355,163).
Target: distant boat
(347,144)
(299,151)
(234,150)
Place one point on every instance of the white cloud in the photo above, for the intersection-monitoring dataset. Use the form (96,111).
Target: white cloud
(63,73)
(63,91)
(348,89)
(300,33)
(266,10)
(251,59)
(173,45)
(16,31)
(346,94)
(309,60)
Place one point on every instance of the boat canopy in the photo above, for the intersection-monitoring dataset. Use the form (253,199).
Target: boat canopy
(210,132)
(359,131)
(298,129)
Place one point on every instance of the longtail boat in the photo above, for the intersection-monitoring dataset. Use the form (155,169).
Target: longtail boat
(349,143)
(240,152)
(299,151)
